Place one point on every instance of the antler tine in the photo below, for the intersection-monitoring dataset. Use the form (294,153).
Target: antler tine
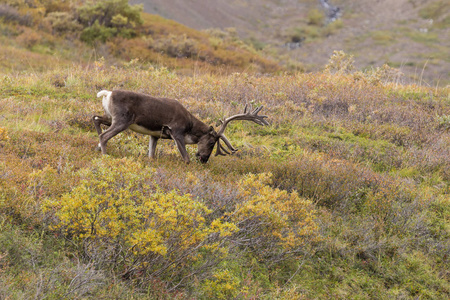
(248,115)
(227,142)
(257,110)
(246,107)
(220,148)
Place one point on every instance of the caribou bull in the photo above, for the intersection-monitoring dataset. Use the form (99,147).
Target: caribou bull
(163,118)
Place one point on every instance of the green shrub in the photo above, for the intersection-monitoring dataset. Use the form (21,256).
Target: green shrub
(306,33)
(382,37)
(434,9)
(108,13)
(62,22)
(104,19)
(97,32)
(444,122)
(333,27)
(316,17)
(176,46)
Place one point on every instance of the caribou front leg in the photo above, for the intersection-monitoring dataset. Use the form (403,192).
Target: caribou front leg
(182,148)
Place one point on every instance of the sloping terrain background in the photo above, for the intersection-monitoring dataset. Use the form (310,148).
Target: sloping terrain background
(412,35)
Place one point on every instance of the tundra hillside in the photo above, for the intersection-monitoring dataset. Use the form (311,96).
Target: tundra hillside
(412,35)
(82,31)
(346,194)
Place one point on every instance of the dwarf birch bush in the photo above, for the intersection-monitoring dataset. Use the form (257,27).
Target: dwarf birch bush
(116,212)
(118,216)
(273,222)
(222,286)
(3,134)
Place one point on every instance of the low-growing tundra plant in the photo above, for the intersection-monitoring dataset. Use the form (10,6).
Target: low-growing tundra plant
(121,219)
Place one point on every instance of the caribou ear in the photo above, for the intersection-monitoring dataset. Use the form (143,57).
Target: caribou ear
(212,131)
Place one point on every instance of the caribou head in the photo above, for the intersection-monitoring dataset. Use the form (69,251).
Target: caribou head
(207,143)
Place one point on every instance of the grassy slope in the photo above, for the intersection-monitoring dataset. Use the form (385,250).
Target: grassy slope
(160,42)
(371,156)
(374,159)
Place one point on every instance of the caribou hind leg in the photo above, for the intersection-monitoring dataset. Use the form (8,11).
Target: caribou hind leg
(116,128)
(98,120)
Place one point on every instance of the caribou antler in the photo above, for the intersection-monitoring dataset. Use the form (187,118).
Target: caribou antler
(248,115)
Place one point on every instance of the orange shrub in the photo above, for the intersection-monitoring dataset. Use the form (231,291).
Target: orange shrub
(29,38)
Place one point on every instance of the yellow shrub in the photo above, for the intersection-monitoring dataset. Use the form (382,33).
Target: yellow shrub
(116,203)
(3,134)
(223,286)
(274,218)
